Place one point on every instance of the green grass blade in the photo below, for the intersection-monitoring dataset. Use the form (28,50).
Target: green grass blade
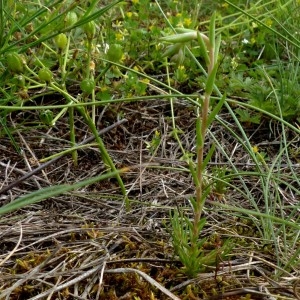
(53,191)
(7,131)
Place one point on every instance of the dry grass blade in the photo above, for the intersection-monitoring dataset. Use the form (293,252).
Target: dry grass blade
(27,276)
(69,283)
(13,250)
(146,277)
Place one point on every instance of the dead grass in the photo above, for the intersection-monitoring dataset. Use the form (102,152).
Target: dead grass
(86,245)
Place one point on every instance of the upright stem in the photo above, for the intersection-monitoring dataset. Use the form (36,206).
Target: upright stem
(90,75)
(203,118)
(73,135)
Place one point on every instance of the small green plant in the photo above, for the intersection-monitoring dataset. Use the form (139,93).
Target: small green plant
(186,233)
(221,179)
(248,117)
(154,143)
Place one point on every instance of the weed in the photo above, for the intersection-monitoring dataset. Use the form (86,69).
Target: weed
(185,233)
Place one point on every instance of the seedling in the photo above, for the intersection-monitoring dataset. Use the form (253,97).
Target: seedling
(186,233)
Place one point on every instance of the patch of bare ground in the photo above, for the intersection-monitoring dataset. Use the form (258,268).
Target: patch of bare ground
(87,245)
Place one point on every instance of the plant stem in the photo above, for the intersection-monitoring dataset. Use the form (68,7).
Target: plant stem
(90,74)
(203,120)
(73,135)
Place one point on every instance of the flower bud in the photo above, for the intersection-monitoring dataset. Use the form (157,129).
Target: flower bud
(46,117)
(90,29)
(14,62)
(114,53)
(186,36)
(19,80)
(61,41)
(180,37)
(178,58)
(172,50)
(45,75)
(71,18)
(87,86)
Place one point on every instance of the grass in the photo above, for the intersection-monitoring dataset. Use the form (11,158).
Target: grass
(197,193)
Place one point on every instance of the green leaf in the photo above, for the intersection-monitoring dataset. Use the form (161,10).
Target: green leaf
(246,117)
(193,202)
(211,80)
(180,37)
(217,46)
(205,193)
(203,48)
(215,111)
(199,138)
(172,50)
(208,156)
